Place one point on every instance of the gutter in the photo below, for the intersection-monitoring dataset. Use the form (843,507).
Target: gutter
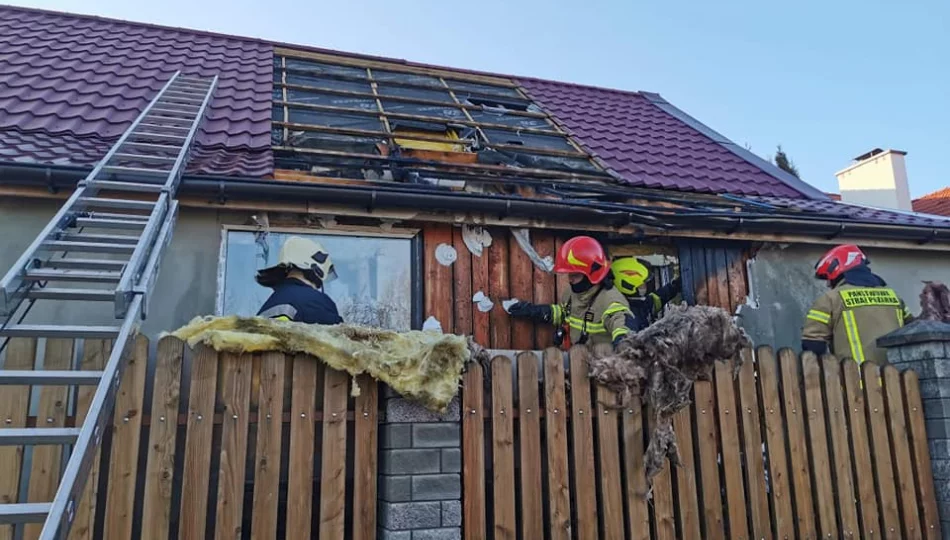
(407,196)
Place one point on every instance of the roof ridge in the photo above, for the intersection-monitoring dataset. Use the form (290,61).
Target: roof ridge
(640,93)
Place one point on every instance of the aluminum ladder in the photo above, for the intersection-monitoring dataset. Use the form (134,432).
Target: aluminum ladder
(130,196)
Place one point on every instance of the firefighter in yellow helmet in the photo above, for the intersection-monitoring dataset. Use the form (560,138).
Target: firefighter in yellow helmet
(631,277)
(593,312)
(304,266)
(857,309)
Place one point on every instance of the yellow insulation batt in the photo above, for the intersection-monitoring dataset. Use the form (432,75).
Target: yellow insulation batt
(423,366)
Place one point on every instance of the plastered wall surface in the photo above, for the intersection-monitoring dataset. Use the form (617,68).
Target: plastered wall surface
(783,286)
(187,280)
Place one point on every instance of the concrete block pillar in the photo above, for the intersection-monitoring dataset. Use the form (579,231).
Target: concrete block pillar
(924,346)
(420,465)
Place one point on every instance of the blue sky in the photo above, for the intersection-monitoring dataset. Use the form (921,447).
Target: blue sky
(827,80)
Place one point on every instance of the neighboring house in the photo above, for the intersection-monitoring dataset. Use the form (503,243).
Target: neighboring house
(390,163)
(937,203)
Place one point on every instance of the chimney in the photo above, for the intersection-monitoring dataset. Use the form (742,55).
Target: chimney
(876,178)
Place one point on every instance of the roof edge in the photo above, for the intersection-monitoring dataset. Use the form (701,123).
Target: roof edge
(790,180)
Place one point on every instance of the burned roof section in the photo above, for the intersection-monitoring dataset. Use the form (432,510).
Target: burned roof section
(334,118)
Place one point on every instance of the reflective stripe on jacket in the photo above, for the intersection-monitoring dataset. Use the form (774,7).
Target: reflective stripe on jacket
(602,313)
(851,318)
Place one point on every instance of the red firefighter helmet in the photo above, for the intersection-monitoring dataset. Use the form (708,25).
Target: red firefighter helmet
(839,260)
(583,255)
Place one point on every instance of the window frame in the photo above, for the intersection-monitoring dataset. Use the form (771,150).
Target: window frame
(413,234)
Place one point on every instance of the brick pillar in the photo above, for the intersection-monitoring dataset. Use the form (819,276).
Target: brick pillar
(420,482)
(924,346)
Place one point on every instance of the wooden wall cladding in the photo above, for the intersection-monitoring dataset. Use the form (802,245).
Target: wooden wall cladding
(502,271)
(714,273)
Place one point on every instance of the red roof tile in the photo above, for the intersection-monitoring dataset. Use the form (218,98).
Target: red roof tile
(83,81)
(646,146)
(937,203)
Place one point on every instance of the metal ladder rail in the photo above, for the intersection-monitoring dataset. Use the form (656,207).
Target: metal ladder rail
(60,513)
(11,289)
(131,274)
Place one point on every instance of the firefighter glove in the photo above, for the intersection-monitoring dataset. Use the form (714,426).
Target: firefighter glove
(527,310)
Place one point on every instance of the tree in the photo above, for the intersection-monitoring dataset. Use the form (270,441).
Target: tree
(782,162)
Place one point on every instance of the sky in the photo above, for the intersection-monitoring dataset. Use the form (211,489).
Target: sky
(827,80)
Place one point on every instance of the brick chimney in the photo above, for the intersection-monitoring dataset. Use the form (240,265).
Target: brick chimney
(876,178)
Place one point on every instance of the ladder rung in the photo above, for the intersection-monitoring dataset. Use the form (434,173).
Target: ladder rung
(37,436)
(172,113)
(99,238)
(180,101)
(49,377)
(176,93)
(176,119)
(84,264)
(124,204)
(24,513)
(183,109)
(140,187)
(60,331)
(102,223)
(150,135)
(144,157)
(111,215)
(89,276)
(86,295)
(135,170)
(152,145)
(160,126)
(88,247)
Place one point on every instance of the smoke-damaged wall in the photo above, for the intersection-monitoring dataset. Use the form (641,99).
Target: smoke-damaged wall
(783,286)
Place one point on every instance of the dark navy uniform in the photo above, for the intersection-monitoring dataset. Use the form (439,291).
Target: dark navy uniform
(294,300)
(647,309)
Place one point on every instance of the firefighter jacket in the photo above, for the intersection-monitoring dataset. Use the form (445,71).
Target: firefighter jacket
(850,318)
(602,314)
(293,300)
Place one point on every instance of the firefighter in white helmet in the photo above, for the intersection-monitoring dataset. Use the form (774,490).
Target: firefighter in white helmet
(304,266)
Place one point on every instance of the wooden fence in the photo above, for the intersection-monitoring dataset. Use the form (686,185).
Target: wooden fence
(792,448)
(206,446)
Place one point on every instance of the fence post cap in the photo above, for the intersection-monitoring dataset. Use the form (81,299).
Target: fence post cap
(919,331)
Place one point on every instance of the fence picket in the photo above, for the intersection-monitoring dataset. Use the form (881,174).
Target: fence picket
(473,454)
(840,452)
(608,446)
(748,411)
(635,480)
(900,450)
(797,447)
(814,412)
(687,499)
(583,436)
(559,488)
(664,519)
(236,375)
(926,495)
(861,450)
(529,434)
(364,468)
(267,454)
(503,449)
(333,464)
(197,468)
(881,449)
(731,466)
(163,431)
(47,459)
(14,407)
(707,443)
(303,417)
(94,355)
(780,489)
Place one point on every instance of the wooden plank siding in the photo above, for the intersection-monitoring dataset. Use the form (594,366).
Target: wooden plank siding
(714,273)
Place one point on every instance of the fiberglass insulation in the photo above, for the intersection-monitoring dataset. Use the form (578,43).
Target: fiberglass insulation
(423,366)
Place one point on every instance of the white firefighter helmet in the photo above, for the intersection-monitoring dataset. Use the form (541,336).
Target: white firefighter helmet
(308,256)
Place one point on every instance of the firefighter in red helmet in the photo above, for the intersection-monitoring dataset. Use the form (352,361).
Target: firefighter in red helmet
(593,311)
(859,308)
